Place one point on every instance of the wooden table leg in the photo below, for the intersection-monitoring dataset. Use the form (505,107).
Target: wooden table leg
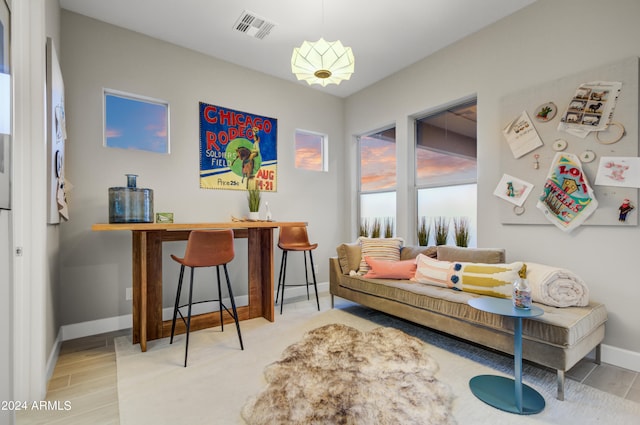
(260,257)
(147,287)
(139,266)
(267,283)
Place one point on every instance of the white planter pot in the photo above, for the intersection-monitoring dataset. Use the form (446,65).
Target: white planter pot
(254,215)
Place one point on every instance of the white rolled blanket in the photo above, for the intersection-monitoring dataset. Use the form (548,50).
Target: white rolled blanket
(556,287)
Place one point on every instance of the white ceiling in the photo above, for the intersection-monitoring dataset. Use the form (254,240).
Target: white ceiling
(385,35)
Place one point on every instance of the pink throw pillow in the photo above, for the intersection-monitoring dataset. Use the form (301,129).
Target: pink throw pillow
(385,269)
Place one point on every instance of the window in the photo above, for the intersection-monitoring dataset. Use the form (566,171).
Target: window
(378,183)
(135,122)
(311,151)
(446,170)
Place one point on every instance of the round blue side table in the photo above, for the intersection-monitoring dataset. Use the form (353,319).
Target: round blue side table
(507,394)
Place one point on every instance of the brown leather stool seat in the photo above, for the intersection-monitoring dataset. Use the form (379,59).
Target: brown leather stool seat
(296,239)
(205,248)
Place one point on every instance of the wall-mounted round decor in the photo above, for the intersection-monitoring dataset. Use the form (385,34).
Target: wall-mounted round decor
(559,145)
(587,156)
(611,135)
(546,112)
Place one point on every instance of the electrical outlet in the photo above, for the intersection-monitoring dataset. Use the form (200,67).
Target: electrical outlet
(128,295)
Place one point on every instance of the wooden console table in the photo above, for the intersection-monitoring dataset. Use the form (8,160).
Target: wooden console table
(147,272)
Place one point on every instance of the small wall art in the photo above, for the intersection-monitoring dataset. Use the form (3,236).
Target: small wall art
(513,190)
(521,135)
(618,171)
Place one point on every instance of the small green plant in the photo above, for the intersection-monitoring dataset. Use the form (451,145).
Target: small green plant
(441,228)
(254,200)
(364,227)
(375,228)
(461,231)
(424,232)
(388,227)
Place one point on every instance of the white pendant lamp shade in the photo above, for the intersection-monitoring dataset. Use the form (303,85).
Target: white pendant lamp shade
(322,62)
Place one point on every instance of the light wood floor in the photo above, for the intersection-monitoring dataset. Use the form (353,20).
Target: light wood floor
(85,376)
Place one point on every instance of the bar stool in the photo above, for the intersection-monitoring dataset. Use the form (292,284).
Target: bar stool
(205,248)
(296,239)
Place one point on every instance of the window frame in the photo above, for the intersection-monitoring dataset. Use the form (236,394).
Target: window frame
(359,191)
(324,147)
(417,185)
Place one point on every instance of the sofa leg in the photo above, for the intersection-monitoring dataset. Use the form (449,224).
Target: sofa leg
(560,380)
(599,354)
(332,303)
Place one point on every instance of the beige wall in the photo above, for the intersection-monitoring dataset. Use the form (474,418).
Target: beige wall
(96,267)
(533,46)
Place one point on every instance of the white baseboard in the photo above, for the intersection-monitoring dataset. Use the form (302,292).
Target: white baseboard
(111,324)
(55,353)
(620,357)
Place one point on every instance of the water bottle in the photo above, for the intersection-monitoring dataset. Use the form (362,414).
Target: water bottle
(522,290)
(268,217)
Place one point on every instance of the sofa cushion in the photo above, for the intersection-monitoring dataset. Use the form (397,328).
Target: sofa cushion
(494,280)
(470,255)
(562,327)
(411,252)
(349,255)
(381,269)
(379,249)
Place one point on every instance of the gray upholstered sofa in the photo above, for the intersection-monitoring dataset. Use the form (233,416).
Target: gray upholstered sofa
(558,339)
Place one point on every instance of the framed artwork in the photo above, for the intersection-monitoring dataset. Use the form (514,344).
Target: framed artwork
(5,109)
(135,122)
(56,135)
(238,150)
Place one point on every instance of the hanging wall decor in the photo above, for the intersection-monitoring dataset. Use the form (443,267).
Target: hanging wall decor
(521,135)
(513,190)
(567,199)
(57,133)
(580,94)
(618,171)
(590,108)
(546,112)
(238,150)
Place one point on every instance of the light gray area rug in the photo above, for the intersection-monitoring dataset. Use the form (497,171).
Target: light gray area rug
(154,388)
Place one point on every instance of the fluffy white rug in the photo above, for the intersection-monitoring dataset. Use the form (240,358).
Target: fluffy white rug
(154,388)
(340,375)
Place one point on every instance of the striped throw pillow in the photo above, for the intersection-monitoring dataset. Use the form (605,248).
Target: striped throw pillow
(379,249)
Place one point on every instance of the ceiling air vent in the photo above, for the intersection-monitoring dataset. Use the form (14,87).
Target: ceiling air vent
(253,25)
